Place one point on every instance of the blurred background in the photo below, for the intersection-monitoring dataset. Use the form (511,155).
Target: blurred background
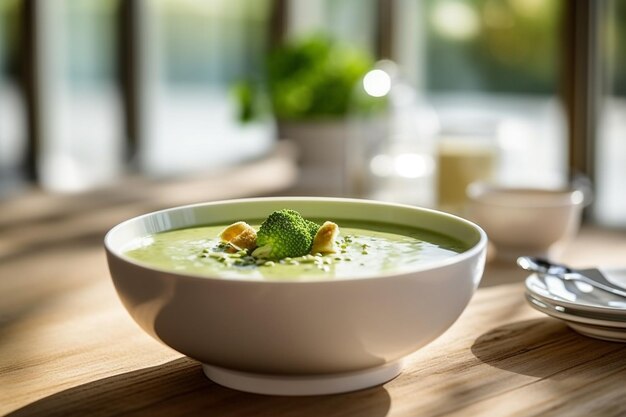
(399,100)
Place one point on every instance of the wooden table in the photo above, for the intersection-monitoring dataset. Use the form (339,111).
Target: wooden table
(68,347)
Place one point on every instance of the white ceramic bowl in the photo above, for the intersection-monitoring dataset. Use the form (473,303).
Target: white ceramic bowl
(525,221)
(298,337)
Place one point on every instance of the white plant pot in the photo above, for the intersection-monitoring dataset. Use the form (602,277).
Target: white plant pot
(322,151)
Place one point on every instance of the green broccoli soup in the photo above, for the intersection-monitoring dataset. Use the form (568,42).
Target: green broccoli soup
(343,250)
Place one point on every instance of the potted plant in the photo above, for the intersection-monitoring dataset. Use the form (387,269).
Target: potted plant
(310,85)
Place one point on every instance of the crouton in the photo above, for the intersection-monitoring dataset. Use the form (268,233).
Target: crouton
(324,240)
(239,235)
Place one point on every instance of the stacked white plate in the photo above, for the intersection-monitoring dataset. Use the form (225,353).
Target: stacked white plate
(588,310)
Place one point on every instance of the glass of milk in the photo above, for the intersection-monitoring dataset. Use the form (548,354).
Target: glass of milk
(462,160)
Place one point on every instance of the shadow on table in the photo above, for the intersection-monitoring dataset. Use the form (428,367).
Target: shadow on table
(546,348)
(180,388)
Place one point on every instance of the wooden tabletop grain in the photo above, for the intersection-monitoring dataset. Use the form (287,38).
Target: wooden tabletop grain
(68,347)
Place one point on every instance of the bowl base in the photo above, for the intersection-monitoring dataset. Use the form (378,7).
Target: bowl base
(293,385)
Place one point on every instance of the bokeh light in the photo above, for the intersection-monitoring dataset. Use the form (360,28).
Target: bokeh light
(377,83)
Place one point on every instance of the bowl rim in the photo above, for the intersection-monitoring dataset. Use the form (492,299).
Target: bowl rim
(457,258)
(559,197)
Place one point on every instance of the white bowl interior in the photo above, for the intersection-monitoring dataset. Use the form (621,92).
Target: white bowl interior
(466,233)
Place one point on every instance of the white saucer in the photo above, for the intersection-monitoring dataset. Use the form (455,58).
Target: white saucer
(579,296)
(293,385)
(602,333)
(584,323)
(564,313)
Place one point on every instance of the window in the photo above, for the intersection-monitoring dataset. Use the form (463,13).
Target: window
(193,52)
(12,111)
(610,161)
(492,71)
(81,122)
(350,21)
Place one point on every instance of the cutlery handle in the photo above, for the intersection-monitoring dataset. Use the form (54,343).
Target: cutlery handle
(595,283)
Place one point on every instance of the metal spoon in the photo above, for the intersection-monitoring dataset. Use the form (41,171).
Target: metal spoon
(545,267)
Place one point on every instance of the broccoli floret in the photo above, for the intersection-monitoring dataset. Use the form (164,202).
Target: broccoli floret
(283,234)
(313,228)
